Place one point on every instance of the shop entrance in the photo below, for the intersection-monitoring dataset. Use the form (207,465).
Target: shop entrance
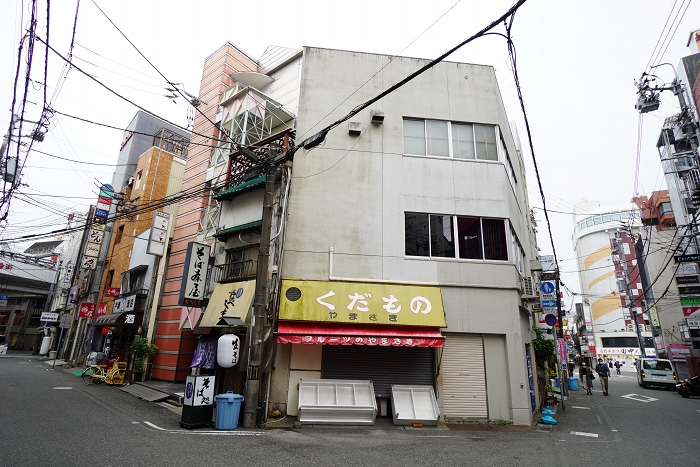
(383,365)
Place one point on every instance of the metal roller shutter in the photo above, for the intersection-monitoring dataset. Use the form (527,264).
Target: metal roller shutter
(383,365)
(463,377)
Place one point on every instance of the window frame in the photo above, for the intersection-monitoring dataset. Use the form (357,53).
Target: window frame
(502,155)
(507,229)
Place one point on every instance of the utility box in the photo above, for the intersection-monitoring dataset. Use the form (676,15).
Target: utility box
(198,405)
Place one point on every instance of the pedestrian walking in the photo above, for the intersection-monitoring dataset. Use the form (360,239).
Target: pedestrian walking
(617,368)
(603,373)
(586,376)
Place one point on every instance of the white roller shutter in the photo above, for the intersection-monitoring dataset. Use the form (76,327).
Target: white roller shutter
(463,377)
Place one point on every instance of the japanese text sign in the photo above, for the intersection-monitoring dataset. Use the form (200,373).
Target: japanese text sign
(362,303)
(194,275)
(229,301)
(102,309)
(112,291)
(87,310)
(199,390)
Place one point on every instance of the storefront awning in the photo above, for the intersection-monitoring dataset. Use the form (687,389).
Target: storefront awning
(343,334)
(229,305)
(120,320)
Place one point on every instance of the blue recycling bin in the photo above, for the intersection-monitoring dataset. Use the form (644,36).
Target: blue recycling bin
(557,382)
(573,384)
(228,409)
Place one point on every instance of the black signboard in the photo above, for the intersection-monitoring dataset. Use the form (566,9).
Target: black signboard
(548,276)
(687,258)
(687,280)
(689,290)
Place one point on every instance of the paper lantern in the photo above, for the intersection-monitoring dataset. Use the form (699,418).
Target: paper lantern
(227,351)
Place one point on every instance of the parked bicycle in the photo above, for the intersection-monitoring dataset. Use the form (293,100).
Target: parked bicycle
(96,374)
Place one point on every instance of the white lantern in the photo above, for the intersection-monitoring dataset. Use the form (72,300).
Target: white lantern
(227,351)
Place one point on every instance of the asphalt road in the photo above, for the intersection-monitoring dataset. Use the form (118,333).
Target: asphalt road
(51,418)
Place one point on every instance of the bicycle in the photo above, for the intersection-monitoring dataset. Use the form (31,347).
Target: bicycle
(96,374)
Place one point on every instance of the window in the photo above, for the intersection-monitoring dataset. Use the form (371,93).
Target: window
(417,233)
(138,180)
(110,278)
(665,208)
(485,139)
(442,243)
(437,140)
(434,235)
(589,222)
(118,236)
(433,137)
(615,217)
(597,220)
(463,141)
(414,137)
(518,253)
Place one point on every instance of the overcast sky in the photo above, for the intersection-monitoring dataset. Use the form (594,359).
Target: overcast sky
(577,63)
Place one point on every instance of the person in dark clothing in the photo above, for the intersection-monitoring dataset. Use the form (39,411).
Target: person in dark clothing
(603,372)
(585,375)
(617,368)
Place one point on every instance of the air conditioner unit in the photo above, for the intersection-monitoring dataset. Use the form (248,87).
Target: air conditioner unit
(630,327)
(528,288)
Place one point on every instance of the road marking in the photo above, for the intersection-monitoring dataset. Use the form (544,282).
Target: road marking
(208,432)
(577,407)
(63,387)
(581,433)
(23,363)
(134,423)
(640,398)
(613,430)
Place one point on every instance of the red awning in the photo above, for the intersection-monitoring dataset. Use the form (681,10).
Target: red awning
(294,332)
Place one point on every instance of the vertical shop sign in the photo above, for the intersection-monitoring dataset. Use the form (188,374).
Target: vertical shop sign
(194,276)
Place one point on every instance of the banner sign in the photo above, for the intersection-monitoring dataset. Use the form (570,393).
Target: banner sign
(689,290)
(361,303)
(194,275)
(687,258)
(87,310)
(102,309)
(112,291)
(159,233)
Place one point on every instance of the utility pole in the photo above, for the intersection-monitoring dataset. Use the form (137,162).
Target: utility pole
(253,396)
(560,335)
(619,247)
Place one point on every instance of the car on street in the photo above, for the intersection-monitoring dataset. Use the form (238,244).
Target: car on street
(655,372)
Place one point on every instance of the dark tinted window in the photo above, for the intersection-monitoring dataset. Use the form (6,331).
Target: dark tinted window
(495,244)
(442,242)
(469,235)
(417,235)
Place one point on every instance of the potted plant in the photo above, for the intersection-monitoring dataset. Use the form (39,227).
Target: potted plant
(139,349)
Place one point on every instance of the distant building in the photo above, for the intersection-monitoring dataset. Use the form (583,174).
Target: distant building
(602,280)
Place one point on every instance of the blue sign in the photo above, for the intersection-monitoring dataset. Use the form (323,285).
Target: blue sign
(549,303)
(4,297)
(101,213)
(547,287)
(551,320)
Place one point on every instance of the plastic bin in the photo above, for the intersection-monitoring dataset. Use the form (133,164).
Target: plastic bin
(573,384)
(228,409)
(557,382)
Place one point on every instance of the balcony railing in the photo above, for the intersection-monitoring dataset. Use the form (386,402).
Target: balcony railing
(233,272)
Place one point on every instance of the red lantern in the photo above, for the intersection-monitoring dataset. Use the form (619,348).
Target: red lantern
(105,331)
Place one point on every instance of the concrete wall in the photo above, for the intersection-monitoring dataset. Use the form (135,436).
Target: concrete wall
(352,192)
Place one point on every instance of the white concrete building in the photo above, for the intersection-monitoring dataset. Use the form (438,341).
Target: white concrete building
(602,280)
(405,236)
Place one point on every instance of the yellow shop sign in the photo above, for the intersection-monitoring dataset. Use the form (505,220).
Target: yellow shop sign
(361,303)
